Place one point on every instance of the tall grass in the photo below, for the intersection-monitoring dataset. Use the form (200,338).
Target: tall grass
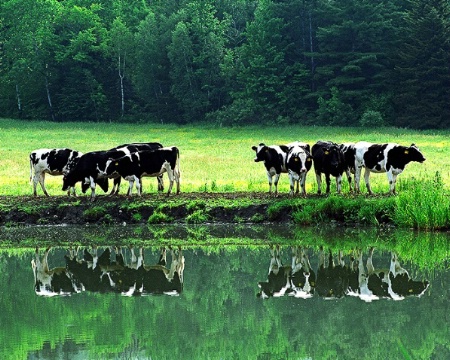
(423,204)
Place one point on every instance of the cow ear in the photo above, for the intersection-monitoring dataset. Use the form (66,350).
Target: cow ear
(325,150)
(254,147)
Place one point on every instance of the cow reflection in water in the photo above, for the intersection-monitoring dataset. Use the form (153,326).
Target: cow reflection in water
(296,280)
(338,279)
(393,283)
(50,282)
(99,274)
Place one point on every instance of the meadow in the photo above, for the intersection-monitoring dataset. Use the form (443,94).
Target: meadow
(215,159)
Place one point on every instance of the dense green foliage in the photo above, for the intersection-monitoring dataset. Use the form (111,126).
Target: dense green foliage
(355,62)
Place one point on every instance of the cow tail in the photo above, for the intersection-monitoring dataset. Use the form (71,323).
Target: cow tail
(31,169)
(177,164)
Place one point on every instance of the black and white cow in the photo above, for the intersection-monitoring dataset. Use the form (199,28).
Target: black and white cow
(328,159)
(332,280)
(348,149)
(50,282)
(274,158)
(393,283)
(128,149)
(303,278)
(298,163)
(90,170)
(278,279)
(147,163)
(53,162)
(104,275)
(390,158)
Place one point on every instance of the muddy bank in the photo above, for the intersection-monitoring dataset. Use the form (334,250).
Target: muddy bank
(186,208)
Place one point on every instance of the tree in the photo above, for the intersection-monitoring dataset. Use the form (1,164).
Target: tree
(422,70)
(121,45)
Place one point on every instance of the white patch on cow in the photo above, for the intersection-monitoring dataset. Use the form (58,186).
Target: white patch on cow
(42,167)
(299,154)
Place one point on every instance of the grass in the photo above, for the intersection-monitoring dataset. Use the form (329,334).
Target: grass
(221,160)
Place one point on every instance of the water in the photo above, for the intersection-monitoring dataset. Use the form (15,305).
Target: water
(219,312)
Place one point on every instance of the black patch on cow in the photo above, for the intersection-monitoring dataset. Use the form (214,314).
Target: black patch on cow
(328,158)
(373,155)
(271,157)
(400,156)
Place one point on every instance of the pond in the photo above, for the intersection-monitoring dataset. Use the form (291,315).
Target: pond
(224,293)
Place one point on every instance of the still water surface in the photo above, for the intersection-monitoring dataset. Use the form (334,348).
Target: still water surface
(227,301)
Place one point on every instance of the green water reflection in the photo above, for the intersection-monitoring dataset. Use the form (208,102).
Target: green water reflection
(218,314)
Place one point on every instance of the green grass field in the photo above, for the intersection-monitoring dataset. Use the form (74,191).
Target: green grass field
(211,159)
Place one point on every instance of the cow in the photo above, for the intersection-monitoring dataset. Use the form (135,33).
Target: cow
(298,163)
(400,282)
(303,278)
(50,282)
(387,158)
(132,279)
(147,163)
(348,150)
(393,283)
(90,171)
(128,149)
(53,162)
(274,158)
(278,278)
(329,159)
(332,280)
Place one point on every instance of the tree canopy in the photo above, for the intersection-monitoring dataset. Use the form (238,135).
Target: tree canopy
(327,62)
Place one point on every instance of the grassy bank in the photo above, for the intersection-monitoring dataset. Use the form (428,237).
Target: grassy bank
(220,160)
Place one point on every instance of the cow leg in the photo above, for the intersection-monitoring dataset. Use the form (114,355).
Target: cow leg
(177,179)
(138,183)
(292,182)
(392,178)
(367,180)
(321,258)
(358,169)
(370,267)
(339,183)
(160,183)
(349,179)
(42,182)
(303,182)
(275,262)
(269,178)
(319,182)
(328,182)
(92,186)
(35,182)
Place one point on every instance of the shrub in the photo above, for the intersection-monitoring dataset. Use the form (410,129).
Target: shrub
(371,118)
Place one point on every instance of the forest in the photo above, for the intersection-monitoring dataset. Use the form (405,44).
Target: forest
(227,62)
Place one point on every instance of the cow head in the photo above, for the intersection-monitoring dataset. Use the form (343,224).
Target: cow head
(261,151)
(413,153)
(69,180)
(333,154)
(299,160)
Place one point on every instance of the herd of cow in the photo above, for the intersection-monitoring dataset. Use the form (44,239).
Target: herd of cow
(95,273)
(136,160)
(337,280)
(333,159)
(130,161)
